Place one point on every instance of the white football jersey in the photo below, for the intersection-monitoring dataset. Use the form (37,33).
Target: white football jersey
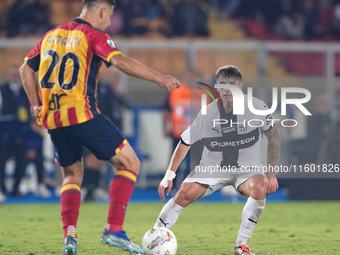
(234,140)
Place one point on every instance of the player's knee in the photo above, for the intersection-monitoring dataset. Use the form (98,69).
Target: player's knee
(133,164)
(72,176)
(259,189)
(136,165)
(181,198)
(185,195)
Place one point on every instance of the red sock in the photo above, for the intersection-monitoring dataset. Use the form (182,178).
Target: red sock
(120,193)
(70,203)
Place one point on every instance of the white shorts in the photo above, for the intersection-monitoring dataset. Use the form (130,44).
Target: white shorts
(218,182)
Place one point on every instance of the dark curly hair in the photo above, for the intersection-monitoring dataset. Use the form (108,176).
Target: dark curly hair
(228,71)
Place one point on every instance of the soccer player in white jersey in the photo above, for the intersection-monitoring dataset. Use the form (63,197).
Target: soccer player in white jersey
(236,146)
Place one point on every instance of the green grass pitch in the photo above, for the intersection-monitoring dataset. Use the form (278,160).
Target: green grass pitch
(203,228)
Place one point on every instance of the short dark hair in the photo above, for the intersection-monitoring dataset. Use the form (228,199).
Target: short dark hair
(90,3)
(228,71)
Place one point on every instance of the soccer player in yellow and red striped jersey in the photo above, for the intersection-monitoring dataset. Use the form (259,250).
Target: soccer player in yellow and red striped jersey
(68,59)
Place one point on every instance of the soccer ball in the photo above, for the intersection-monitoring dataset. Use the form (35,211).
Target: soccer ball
(159,241)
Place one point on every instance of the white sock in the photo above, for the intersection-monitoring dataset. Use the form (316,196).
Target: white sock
(250,215)
(169,215)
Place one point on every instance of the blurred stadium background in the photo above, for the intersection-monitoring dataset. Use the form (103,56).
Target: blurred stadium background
(275,43)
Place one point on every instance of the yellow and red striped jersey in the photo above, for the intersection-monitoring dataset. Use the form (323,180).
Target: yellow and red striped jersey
(68,59)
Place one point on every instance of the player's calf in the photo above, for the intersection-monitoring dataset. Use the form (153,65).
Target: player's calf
(70,203)
(250,216)
(120,192)
(169,215)
(188,193)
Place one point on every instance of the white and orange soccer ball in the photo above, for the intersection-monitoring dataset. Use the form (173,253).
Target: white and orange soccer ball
(159,241)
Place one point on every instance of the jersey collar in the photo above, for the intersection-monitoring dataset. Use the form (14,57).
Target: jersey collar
(81,21)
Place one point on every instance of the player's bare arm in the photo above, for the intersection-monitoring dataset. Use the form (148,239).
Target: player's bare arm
(176,159)
(272,157)
(134,68)
(29,83)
